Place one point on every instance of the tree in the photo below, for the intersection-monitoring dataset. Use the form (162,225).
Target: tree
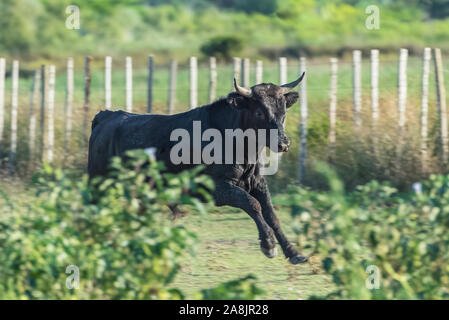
(224,47)
(438,9)
(248,6)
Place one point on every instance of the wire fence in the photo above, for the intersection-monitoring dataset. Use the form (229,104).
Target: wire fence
(49,109)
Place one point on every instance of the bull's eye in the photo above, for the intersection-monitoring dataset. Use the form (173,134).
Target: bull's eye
(260,115)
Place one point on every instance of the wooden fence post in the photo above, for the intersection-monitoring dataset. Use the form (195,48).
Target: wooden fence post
(172,87)
(357,87)
(374,98)
(212,79)
(282,70)
(69,103)
(402,86)
(375,86)
(32,130)
(150,83)
(2,99)
(236,71)
(107,82)
(402,103)
(259,71)
(87,80)
(193,82)
(42,119)
(246,72)
(303,122)
(441,100)
(424,108)
(129,84)
(14,111)
(332,107)
(50,113)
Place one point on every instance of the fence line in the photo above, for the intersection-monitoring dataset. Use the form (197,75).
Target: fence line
(45,79)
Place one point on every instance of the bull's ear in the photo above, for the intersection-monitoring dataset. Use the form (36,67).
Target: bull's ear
(291,98)
(236,100)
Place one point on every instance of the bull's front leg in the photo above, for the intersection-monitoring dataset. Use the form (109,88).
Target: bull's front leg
(231,195)
(262,194)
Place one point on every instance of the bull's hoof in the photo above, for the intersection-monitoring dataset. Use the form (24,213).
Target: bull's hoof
(270,253)
(298,259)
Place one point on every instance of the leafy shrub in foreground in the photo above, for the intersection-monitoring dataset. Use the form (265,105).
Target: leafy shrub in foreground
(404,236)
(113,230)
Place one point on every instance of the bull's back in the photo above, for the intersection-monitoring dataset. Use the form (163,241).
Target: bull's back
(114,132)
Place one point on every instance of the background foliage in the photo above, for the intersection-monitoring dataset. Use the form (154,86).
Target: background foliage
(36,28)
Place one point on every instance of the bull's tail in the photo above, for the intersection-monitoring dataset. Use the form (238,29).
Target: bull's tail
(101,116)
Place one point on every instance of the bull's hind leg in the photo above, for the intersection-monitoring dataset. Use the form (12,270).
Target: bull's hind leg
(262,194)
(230,195)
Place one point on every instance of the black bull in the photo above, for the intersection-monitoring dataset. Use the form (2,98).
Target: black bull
(239,184)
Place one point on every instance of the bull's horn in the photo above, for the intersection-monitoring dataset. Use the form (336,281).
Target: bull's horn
(289,86)
(242,90)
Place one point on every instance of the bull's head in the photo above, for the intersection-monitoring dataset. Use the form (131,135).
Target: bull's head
(264,106)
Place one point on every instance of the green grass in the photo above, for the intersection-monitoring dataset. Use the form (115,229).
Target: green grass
(228,248)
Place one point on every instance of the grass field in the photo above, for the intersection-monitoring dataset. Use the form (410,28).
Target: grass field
(228,248)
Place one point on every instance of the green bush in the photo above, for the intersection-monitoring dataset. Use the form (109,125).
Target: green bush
(223,47)
(404,236)
(177,28)
(114,231)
